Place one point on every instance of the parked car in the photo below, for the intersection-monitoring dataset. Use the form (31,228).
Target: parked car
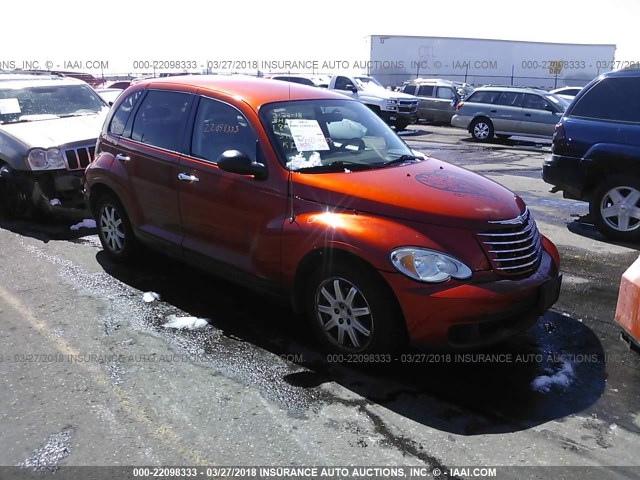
(308,195)
(48,132)
(109,95)
(596,153)
(311,80)
(437,98)
(505,111)
(568,93)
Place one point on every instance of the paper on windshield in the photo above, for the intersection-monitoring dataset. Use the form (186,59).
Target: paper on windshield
(307,135)
(9,105)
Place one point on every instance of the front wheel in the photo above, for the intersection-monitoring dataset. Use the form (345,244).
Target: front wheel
(401,125)
(481,130)
(114,228)
(615,208)
(352,311)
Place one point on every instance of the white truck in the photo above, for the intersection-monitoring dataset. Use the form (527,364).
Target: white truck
(397,109)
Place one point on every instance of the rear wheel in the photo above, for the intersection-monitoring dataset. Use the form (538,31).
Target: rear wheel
(114,228)
(352,310)
(615,208)
(481,130)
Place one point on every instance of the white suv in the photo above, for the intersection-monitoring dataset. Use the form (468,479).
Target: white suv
(48,130)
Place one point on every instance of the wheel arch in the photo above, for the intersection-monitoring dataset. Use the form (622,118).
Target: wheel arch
(328,256)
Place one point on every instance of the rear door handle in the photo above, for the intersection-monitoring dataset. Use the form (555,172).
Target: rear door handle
(123,158)
(493,111)
(188,178)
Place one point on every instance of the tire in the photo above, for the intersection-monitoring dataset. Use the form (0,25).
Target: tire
(615,208)
(114,229)
(481,130)
(362,317)
(14,203)
(400,126)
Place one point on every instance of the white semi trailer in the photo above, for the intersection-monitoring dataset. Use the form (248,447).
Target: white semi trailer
(394,59)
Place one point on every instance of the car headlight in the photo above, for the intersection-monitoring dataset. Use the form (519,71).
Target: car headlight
(426,265)
(49,159)
(392,103)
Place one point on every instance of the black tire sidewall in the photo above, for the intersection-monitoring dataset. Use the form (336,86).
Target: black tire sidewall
(388,325)
(596,200)
(488,123)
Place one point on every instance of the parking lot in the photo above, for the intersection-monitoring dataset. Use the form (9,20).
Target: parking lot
(92,376)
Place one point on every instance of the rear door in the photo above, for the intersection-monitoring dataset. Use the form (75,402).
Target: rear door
(506,112)
(150,156)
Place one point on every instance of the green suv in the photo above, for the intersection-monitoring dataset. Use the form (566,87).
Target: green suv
(504,111)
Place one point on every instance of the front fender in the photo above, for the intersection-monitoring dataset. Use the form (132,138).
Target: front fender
(371,238)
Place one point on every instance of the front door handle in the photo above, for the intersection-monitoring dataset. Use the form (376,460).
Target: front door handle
(188,178)
(123,158)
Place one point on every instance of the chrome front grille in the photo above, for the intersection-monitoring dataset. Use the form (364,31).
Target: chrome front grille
(79,158)
(513,246)
(407,106)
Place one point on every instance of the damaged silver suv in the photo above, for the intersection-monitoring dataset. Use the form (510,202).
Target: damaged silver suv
(48,132)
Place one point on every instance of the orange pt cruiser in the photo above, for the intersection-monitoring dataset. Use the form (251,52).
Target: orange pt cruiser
(304,194)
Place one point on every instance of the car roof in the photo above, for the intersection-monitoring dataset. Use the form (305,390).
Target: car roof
(439,81)
(253,90)
(511,88)
(25,80)
(632,72)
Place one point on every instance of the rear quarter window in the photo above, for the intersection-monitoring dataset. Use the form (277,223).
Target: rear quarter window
(616,99)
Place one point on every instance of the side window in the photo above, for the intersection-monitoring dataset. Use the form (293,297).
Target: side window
(509,99)
(219,127)
(120,117)
(535,101)
(410,89)
(342,82)
(611,99)
(485,96)
(425,91)
(161,119)
(445,92)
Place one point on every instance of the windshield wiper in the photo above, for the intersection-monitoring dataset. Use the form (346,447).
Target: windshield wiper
(338,166)
(400,159)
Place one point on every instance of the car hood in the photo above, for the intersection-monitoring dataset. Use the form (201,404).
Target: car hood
(432,191)
(56,132)
(379,91)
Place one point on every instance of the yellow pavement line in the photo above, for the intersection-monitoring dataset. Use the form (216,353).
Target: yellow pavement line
(162,432)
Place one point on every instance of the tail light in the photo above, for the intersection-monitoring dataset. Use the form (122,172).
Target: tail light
(459,105)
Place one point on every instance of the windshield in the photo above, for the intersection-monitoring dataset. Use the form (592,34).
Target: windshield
(368,82)
(318,136)
(45,102)
(558,101)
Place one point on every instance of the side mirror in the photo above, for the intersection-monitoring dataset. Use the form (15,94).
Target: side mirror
(234,161)
(351,87)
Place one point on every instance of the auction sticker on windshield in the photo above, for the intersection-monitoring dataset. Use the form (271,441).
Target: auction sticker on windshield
(307,135)
(9,105)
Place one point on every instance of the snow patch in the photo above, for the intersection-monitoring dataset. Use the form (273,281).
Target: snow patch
(86,223)
(150,296)
(55,201)
(561,378)
(189,323)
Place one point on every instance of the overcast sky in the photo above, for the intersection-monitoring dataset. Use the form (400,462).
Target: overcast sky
(122,32)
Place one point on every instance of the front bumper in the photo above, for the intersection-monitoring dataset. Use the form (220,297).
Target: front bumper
(397,117)
(56,193)
(468,315)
